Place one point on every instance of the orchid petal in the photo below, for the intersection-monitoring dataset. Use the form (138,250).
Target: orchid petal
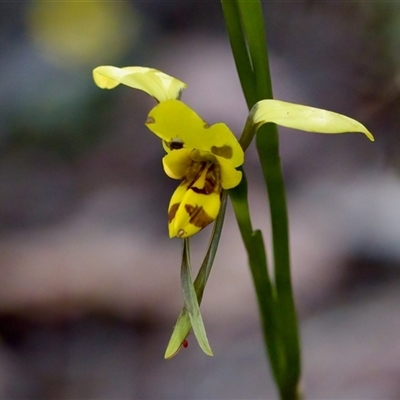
(304,118)
(194,205)
(194,213)
(176,163)
(174,204)
(155,83)
(173,120)
(230,177)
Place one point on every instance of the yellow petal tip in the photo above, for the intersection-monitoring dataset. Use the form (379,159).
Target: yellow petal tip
(305,118)
(369,135)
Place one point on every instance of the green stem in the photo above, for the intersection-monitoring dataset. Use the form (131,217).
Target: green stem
(249,24)
(268,150)
(254,244)
(239,50)
(253,26)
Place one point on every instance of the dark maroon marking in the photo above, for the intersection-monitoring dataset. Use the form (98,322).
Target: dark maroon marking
(172,211)
(198,217)
(210,183)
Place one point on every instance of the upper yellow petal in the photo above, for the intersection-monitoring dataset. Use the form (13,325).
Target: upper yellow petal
(304,118)
(173,120)
(157,84)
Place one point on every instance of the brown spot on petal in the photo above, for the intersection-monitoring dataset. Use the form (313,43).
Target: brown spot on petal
(210,186)
(224,151)
(150,120)
(206,125)
(198,217)
(172,211)
(204,190)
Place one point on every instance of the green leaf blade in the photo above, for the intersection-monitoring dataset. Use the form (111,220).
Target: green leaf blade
(180,332)
(191,302)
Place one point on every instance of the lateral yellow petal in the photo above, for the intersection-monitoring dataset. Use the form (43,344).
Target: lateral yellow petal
(176,163)
(304,118)
(230,177)
(173,120)
(155,83)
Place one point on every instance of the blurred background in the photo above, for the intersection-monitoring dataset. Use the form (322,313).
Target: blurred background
(90,285)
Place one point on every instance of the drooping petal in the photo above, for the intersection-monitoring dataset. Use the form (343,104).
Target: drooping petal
(157,84)
(173,120)
(194,205)
(194,213)
(176,163)
(304,118)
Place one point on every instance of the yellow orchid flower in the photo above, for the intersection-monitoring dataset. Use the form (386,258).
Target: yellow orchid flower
(204,157)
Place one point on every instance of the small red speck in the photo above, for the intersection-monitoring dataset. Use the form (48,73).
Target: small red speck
(185,343)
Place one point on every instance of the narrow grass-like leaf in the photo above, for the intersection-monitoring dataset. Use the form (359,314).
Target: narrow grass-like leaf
(190,301)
